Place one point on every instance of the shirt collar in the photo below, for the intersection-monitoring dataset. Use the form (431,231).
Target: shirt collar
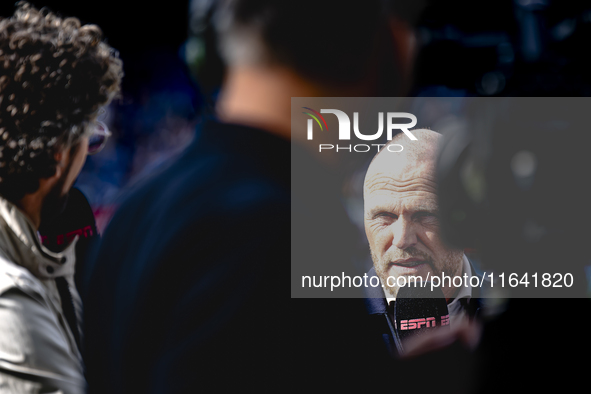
(20,244)
(463,292)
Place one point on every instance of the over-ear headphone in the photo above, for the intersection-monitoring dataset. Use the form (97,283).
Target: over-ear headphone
(201,52)
(513,184)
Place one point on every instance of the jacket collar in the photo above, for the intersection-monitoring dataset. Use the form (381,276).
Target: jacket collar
(375,301)
(19,243)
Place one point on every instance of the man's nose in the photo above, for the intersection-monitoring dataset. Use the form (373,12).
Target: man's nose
(403,233)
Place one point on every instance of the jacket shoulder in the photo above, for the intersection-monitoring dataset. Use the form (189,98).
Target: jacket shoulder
(13,276)
(33,347)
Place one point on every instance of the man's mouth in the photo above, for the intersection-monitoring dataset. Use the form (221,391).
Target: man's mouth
(408,263)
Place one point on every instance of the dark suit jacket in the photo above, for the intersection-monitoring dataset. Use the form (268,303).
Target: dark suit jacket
(185,290)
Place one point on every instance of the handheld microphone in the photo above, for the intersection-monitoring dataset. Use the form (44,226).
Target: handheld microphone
(419,310)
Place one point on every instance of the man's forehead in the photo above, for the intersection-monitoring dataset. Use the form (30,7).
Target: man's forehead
(408,176)
(415,201)
(414,162)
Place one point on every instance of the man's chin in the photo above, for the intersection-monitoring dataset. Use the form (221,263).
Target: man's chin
(399,276)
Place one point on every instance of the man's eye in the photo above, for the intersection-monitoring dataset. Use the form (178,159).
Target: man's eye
(429,218)
(386,215)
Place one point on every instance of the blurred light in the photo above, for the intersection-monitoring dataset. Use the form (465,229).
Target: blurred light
(530,38)
(473,181)
(564,29)
(194,50)
(491,83)
(523,164)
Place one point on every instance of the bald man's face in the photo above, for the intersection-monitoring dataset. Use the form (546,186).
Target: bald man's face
(401,221)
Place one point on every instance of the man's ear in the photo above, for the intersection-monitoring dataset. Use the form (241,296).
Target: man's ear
(61,158)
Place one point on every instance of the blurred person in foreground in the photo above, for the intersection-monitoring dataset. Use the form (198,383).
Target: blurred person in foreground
(56,75)
(188,288)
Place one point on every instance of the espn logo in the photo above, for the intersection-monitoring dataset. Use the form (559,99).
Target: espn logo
(415,324)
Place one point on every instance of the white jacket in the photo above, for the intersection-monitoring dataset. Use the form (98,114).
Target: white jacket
(38,352)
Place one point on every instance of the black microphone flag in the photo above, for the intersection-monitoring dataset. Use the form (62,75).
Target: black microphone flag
(419,310)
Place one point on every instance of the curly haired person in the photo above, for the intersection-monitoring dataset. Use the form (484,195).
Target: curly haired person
(55,76)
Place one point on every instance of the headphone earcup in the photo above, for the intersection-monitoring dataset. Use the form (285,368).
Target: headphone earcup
(201,51)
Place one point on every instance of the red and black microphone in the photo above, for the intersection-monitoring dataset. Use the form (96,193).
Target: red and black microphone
(418,311)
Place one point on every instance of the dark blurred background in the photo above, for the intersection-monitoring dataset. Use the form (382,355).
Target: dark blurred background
(467,48)
(504,48)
